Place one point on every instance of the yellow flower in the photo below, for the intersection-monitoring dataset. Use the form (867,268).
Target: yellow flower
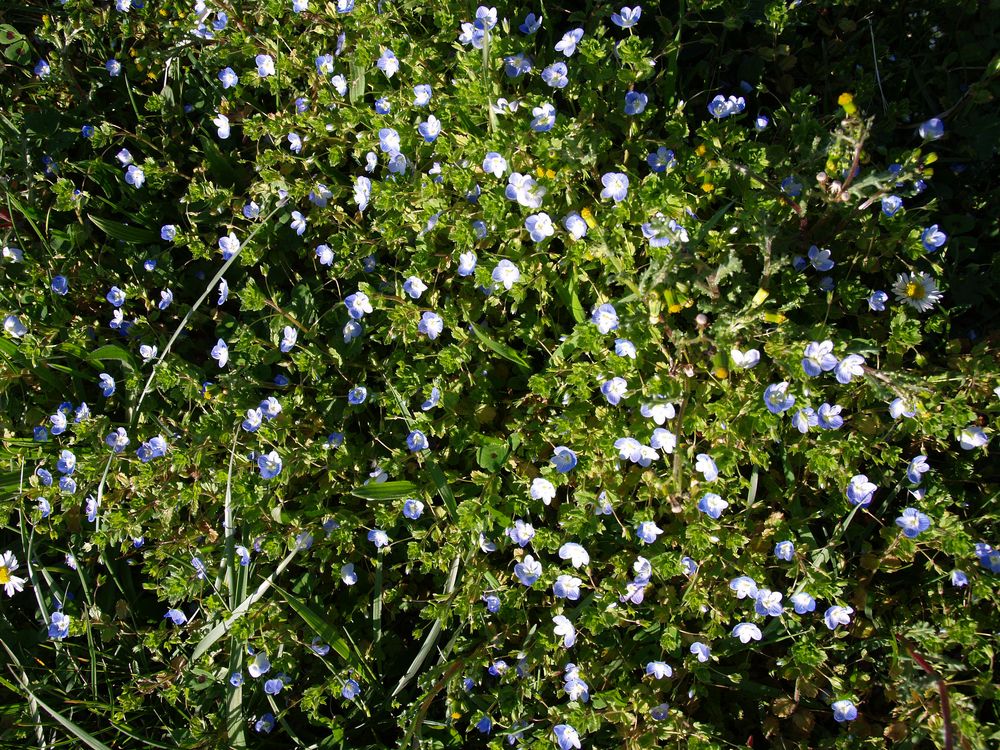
(588,217)
(701,150)
(708,187)
(846,101)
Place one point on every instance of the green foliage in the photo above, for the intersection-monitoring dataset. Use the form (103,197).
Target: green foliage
(702,261)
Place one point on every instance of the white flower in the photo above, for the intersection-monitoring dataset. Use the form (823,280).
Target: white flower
(917,290)
(10,582)
(542,489)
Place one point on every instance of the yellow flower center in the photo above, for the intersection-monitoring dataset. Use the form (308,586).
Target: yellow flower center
(915,290)
(4,575)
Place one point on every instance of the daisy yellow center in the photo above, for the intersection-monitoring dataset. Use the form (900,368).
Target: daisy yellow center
(4,575)
(915,290)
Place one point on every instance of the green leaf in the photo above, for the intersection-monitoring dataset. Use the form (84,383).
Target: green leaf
(501,349)
(321,627)
(113,352)
(387,490)
(75,729)
(118,231)
(493,455)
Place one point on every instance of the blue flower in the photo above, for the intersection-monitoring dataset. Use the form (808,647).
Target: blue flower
(362,192)
(647,531)
(521,532)
(913,522)
(298,223)
(58,626)
(615,186)
(107,384)
(494,164)
(818,358)
(563,459)
(236,679)
(891,204)
(837,615)
(860,491)
(116,297)
(784,550)
(265,723)
(933,239)
(484,725)
(288,338)
(659,670)
(220,353)
(625,348)
(416,441)
(802,602)
(492,603)
(531,24)
(720,107)
(768,602)
(844,710)
(90,508)
(777,399)
(635,103)
(347,574)
(567,737)
(555,75)
(113,67)
(761,122)
(661,160)
(430,129)
(176,616)
(746,632)
(820,259)
(917,467)
(42,69)
(659,713)
(791,187)
(379,538)
(544,118)
(567,45)
(357,395)
(422,95)
(701,651)
(294,143)
(117,440)
(517,65)
(273,686)
(877,300)
(388,63)
(849,367)
(431,324)
(712,505)
(605,318)
(567,587)
(528,571)
(706,465)
(564,629)
(506,273)
(804,419)
(433,401)
(228,77)
(614,390)
(900,408)
(931,129)
(357,305)
(627,17)
(269,465)
(829,417)
(412,509)
(265,65)
(958,578)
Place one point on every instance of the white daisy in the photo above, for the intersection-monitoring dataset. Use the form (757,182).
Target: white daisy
(917,290)
(10,582)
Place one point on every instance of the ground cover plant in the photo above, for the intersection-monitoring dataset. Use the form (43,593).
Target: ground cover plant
(429,375)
